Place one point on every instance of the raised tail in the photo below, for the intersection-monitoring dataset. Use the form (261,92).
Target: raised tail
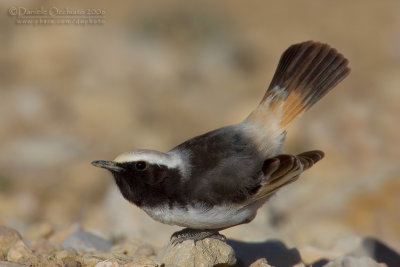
(305,73)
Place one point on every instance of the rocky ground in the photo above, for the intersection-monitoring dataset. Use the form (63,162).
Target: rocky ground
(73,247)
(156,74)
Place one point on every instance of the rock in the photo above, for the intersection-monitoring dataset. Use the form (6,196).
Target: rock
(348,261)
(206,252)
(11,264)
(8,237)
(260,263)
(85,241)
(19,251)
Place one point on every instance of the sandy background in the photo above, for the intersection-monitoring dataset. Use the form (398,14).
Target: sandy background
(158,73)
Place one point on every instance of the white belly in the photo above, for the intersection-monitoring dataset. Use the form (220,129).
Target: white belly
(199,217)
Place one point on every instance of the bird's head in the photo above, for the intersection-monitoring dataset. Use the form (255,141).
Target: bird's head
(138,170)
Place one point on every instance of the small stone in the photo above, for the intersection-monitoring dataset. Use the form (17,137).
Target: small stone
(85,241)
(348,261)
(8,237)
(19,251)
(206,252)
(260,263)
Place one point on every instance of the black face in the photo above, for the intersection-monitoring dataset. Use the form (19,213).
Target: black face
(143,183)
(142,171)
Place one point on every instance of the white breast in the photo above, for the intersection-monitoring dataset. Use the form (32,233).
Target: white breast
(199,217)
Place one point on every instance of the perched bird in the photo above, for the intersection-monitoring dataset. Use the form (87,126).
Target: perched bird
(221,178)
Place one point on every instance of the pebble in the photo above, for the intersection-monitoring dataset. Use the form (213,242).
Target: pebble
(85,241)
(8,237)
(206,252)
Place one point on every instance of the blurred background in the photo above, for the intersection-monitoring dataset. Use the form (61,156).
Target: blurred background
(154,74)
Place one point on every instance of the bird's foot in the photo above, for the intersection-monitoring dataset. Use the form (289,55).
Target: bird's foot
(195,235)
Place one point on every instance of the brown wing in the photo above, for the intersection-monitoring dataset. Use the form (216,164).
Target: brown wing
(285,169)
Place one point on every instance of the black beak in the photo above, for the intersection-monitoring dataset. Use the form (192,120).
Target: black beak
(109,165)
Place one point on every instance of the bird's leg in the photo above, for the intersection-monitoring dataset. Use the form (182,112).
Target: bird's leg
(195,235)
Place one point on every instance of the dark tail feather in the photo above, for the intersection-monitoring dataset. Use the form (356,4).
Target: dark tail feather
(305,73)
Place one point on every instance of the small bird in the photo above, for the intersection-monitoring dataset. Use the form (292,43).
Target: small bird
(221,178)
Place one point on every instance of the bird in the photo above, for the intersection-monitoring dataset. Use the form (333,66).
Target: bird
(221,178)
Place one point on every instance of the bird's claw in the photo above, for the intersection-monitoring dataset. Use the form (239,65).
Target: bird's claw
(195,235)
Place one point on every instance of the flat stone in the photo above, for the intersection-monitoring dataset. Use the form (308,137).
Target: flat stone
(85,241)
(206,252)
(8,237)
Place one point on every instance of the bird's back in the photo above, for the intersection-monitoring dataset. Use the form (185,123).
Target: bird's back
(221,164)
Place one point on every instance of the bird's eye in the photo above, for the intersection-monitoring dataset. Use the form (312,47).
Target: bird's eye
(141,165)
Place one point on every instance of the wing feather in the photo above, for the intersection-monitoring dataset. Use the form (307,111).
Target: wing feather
(284,169)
